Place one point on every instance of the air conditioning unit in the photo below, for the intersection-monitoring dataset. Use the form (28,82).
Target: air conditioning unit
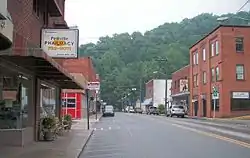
(3,10)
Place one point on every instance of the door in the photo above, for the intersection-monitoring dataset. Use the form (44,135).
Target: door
(195,108)
(204,104)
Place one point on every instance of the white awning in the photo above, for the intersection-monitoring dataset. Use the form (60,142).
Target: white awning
(147,102)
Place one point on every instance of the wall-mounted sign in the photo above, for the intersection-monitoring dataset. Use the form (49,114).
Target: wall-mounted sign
(240,95)
(183,85)
(93,86)
(60,43)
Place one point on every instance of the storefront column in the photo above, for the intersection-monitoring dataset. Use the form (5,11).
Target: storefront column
(58,101)
(37,87)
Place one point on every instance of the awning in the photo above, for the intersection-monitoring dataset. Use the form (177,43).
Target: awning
(41,65)
(181,94)
(147,102)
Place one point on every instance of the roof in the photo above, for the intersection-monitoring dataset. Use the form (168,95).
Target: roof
(82,65)
(40,64)
(215,29)
(181,69)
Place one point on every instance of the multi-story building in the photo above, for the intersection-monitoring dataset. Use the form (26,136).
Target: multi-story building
(180,86)
(220,62)
(28,75)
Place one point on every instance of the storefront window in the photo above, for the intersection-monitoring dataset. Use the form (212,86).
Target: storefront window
(13,101)
(48,103)
(240,101)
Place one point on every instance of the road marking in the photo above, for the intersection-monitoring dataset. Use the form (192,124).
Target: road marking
(94,129)
(109,128)
(244,144)
(101,129)
(129,132)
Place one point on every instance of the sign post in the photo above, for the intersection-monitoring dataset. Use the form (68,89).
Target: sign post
(215,94)
(96,87)
(87,96)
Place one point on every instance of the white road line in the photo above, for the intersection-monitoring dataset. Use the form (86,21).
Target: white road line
(101,129)
(129,132)
(109,128)
(94,129)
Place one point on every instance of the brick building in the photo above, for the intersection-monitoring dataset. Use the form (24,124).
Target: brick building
(83,69)
(180,86)
(28,72)
(220,60)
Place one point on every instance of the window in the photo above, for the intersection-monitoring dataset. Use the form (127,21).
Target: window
(216,47)
(71,103)
(240,101)
(204,77)
(240,72)
(212,49)
(36,8)
(197,58)
(239,43)
(195,80)
(194,59)
(217,73)
(204,54)
(212,75)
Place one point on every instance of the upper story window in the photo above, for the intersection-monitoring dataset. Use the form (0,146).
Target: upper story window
(204,77)
(217,71)
(239,43)
(195,80)
(197,58)
(240,72)
(204,54)
(216,48)
(212,49)
(212,75)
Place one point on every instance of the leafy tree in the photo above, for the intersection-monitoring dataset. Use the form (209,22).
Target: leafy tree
(125,61)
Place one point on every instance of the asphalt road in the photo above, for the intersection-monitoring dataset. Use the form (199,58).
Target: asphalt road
(142,136)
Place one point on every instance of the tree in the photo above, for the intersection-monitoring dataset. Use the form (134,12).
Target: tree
(125,61)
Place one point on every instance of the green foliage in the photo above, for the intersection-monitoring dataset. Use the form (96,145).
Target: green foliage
(49,122)
(124,60)
(161,109)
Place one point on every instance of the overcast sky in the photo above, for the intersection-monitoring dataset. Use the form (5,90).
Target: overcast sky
(96,18)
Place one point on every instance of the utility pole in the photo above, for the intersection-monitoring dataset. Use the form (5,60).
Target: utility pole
(140,91)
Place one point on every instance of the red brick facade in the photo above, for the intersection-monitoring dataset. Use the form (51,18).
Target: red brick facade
(213,63)
(181,74)
(28,23)
(149,89)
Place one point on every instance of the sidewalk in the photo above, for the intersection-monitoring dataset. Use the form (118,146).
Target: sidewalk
(245,123)
(67,146)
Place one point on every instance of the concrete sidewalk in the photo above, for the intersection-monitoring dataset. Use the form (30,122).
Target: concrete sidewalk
(69,145)
(245,123)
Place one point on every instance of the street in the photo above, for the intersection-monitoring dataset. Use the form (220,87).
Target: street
(143,136)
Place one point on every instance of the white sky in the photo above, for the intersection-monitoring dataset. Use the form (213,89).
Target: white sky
(96,18)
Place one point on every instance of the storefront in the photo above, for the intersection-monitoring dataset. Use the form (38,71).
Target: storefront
(30,88)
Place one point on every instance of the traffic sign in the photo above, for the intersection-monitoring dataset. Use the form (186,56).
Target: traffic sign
(215,92)
(93,86)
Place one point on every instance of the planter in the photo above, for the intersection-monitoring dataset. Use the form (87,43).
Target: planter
(48,136)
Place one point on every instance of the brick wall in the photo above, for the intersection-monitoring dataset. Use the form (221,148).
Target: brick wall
(182,73)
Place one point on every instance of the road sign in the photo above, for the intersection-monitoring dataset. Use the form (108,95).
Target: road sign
(215,92)
(93,86)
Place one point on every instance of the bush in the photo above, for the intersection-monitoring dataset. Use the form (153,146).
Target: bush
(161,109)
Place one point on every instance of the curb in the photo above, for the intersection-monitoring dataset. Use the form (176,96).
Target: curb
(88,138)
(85,143)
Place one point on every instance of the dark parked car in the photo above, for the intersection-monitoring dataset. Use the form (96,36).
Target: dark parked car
(108,111)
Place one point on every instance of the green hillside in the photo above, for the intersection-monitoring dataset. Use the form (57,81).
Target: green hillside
(123,60)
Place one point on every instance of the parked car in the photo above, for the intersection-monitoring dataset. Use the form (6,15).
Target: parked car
(152,111)
(108,111)
(138,110)
(176,110)
(131,110)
